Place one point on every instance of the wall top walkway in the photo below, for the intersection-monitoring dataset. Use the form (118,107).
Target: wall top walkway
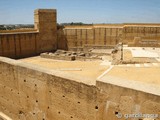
(140,79)
(18,31)
(13,33)
(61,74)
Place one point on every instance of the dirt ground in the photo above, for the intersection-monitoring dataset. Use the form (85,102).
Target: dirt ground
(94,69)
(89,69)
(144,74)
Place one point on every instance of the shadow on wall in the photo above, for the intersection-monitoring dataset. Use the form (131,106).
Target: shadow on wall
(62,40)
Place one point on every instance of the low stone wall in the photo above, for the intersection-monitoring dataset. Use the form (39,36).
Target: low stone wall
(57,57)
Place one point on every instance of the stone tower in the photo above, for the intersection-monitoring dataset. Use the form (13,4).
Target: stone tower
(46,23)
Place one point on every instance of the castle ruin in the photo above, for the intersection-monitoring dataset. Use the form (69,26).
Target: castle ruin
(75,77)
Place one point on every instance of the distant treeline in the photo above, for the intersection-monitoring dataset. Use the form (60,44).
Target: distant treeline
(61,25)
(75,23)
(20,26)
(16,26)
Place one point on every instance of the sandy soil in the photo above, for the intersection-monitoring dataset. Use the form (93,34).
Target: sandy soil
(90,69)
(149,75)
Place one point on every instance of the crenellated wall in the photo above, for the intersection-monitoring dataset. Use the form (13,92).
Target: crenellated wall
(25,43)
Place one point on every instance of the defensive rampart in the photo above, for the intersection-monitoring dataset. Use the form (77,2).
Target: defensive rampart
(24,43)
(111,34)
(30,92)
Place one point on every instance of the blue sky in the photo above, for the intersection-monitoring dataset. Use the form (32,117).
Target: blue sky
(87,11)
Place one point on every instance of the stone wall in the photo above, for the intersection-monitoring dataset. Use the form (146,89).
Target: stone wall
(24,43)
(145,32)
(30,92)
(17,45)
(44,38)
(120,99)
(78,36)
